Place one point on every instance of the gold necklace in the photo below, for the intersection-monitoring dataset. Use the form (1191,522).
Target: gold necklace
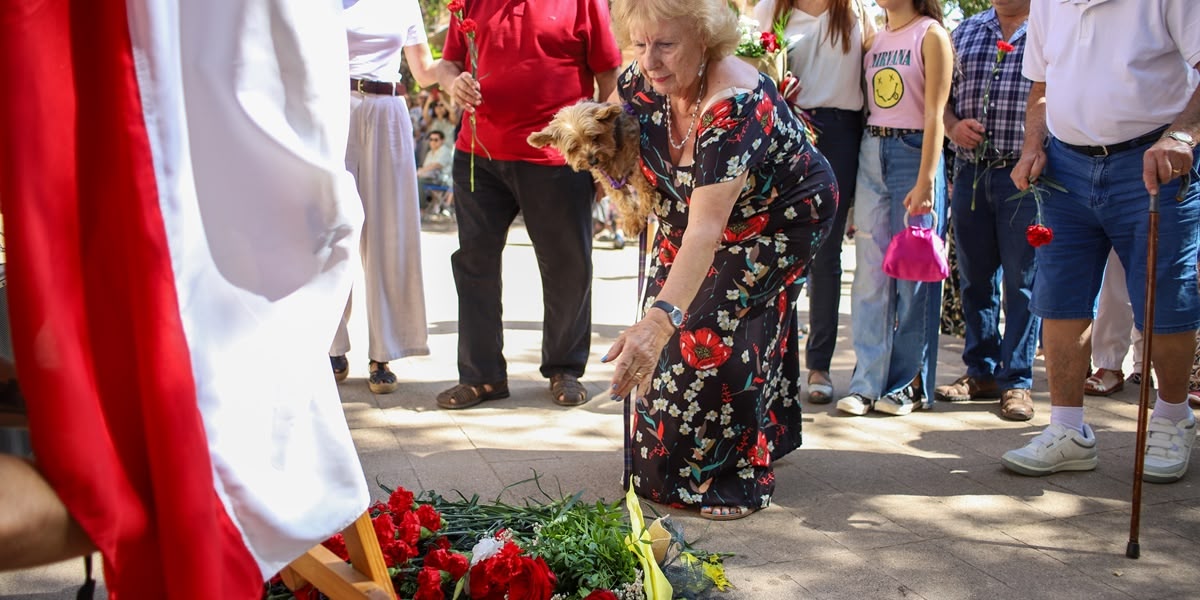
(692,121)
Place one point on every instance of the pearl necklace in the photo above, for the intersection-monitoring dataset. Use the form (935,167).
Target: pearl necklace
(691,122)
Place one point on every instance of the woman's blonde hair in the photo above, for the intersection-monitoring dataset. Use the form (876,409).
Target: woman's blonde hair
(712,20)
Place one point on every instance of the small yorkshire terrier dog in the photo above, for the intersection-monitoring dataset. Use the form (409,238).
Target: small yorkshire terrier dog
(603,139)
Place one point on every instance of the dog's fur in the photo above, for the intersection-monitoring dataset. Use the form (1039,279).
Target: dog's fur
(604,139)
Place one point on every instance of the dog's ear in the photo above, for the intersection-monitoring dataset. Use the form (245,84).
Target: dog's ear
(540,139)
(609,111)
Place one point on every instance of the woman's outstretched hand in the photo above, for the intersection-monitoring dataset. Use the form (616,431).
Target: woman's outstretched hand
(636,353)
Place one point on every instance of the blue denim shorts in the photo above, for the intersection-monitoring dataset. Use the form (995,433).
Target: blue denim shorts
(1105,206)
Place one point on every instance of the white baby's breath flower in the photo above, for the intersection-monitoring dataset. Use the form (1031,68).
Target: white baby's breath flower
(674,411)
(745,356)
(710,415)
(790,213)
(645,451)
(747,473)
(728,433)
(677,368)
(732,294)
(725,420)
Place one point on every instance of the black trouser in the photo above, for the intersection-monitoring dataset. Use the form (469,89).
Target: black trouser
(839,137)
(557,205)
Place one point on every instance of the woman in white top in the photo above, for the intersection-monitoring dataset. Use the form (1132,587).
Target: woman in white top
(825,41)
(380,155)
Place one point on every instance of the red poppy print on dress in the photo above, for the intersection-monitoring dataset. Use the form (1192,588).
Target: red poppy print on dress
(760,455)
(648,172)
(666,252)
(765,114)
(703,349)
(741,231)
(720,116)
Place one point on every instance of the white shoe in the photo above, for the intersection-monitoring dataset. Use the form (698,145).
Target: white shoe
(1058,448)
(1168,448)
(900,402)
(855,404)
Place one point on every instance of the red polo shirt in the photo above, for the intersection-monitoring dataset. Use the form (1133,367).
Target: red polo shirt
(535,57)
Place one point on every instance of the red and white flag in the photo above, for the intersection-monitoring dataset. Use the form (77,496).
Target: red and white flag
(179,228)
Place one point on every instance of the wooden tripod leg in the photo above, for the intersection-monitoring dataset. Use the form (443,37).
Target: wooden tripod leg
(365,578)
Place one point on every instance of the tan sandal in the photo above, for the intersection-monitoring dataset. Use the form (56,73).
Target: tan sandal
(726,513)
(466,395)
(1104,382)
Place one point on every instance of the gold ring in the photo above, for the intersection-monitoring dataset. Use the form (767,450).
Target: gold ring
(637,375)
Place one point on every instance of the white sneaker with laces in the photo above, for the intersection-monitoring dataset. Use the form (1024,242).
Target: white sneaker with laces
(855,404)
(1058,448)
(1168,448)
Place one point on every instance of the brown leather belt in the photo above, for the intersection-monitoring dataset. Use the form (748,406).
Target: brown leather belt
(1098,151)
(890,131)
(383,88)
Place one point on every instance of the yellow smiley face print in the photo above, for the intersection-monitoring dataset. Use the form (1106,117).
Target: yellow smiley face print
(889,87)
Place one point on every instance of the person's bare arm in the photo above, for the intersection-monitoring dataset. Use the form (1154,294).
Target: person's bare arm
(1033,150)
(637,349)
(421,64)
(35,527)
(606,85)
(939,69)
(456,81)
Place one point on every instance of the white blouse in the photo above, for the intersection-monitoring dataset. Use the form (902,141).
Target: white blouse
(377,32)
(829,78)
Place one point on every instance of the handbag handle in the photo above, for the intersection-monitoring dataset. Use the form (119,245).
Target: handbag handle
(908,216)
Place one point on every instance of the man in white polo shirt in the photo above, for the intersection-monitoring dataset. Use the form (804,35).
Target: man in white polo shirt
(1114,115)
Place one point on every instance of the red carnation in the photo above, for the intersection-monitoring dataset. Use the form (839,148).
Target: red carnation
(769,41)
(455,6)
(600,595)
(451,562)
(468,26)
(703,349)
(533,581)
(1038,235)
(397,553)
(429,585)
(337,545)
(429,517)
(1004,46)
(408,528)
(401,501)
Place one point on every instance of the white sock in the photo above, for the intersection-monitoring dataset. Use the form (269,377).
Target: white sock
(1171,411)
(1070,417)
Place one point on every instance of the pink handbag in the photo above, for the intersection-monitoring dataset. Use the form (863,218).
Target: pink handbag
(917,254)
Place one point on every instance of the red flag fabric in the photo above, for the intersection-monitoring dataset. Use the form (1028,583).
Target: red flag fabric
(179,225)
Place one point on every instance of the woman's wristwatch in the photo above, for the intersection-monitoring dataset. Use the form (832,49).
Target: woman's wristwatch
(673,312)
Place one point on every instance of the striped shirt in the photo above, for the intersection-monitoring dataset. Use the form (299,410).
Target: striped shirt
(975,46)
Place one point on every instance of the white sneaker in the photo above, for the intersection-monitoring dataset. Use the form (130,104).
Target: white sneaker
(855,404)
(900,402)
(1058,448)
(1168,448)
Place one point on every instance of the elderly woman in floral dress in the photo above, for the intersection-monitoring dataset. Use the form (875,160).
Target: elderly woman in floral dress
(743,201)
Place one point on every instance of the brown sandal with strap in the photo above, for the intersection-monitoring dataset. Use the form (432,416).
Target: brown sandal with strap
(466,395)
(566,390)
(1104,382)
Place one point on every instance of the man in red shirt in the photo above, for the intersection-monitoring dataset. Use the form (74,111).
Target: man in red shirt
(534,57)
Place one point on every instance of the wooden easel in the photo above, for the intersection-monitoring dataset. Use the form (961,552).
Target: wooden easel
(366,577)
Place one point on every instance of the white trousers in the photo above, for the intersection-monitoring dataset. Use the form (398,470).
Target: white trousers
(380,156)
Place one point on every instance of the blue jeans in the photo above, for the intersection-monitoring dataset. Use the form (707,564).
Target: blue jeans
(1105,206)
(839,140)
(894,323)
(989,231)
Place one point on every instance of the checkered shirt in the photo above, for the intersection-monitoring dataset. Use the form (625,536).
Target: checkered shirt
(975,48)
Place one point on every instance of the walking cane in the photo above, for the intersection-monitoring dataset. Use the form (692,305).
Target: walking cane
(1133,549)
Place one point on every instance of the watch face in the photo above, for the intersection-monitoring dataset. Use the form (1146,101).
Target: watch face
(1183,137)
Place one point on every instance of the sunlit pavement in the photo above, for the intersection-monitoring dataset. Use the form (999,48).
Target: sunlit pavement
(870,507)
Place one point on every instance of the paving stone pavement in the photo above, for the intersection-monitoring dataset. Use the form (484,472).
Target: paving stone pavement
(872,507)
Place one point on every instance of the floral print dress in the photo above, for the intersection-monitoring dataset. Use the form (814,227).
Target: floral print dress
(724,401)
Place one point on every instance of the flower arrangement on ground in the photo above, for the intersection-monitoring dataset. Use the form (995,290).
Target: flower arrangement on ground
(558,549)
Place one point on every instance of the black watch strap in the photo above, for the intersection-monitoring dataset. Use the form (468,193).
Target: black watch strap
(673,312)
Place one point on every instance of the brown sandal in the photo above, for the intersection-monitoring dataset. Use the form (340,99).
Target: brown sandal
(466,395)
(566,390)
(1016,405)
(1104,382)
